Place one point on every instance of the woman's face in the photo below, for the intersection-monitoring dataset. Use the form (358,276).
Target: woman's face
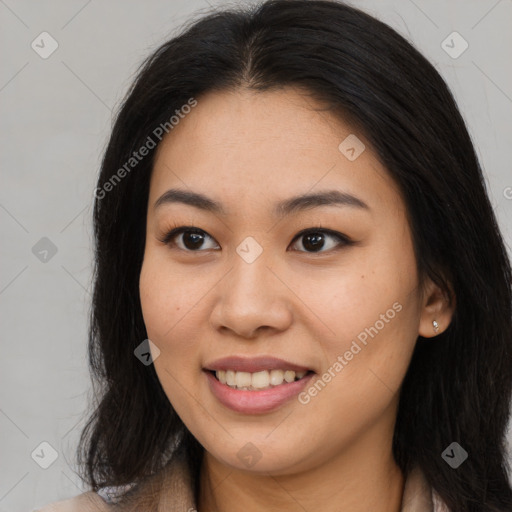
(247,285)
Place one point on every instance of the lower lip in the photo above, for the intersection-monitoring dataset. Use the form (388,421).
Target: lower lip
(255,402)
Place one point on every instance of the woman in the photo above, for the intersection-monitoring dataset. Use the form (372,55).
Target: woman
(302,298)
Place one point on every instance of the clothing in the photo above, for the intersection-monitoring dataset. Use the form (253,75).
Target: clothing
(178,495)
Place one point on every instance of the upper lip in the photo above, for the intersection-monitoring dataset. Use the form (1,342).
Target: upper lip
(253,364)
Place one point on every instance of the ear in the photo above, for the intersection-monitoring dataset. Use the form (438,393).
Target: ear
(437,306)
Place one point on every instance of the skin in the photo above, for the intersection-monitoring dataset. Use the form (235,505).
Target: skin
(248,151)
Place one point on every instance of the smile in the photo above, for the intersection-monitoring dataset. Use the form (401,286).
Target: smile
(253,400)
(264,379)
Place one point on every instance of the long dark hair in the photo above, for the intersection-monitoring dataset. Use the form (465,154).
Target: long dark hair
(458,385)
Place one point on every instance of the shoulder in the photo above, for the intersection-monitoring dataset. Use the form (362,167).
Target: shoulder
(419,496)
(85,502)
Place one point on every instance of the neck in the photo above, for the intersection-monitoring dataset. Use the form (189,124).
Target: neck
(361,478)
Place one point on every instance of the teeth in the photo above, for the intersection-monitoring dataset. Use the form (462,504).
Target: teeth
(276,377)
(260,380)
(289,376)
(243,379)
(230,378)
(257,380)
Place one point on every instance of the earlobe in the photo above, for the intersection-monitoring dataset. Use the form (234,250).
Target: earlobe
(437,311)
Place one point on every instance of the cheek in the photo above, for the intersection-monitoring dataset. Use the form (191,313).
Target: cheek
(348,301)
(372,314)
(165,303)
(168,310)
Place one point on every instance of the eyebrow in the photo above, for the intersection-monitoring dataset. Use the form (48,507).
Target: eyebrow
(281,209)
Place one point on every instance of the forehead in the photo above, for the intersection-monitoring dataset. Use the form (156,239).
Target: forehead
(282,121)
(243,145)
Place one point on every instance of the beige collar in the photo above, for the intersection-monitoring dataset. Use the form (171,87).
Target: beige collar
(178,495)
(417,497)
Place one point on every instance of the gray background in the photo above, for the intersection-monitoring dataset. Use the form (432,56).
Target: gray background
(56,115)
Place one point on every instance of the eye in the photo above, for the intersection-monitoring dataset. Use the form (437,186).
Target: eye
(314,239)
(192,240)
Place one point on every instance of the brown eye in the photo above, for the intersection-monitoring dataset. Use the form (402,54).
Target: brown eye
(192,239)
(314,240)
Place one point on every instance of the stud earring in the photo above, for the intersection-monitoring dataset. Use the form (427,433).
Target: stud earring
(436,326)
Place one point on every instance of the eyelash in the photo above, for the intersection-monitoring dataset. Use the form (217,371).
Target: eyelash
(342,239)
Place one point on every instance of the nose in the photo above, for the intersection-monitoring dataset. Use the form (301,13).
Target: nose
(251,298)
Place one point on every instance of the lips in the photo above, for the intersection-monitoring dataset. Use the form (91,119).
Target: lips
(254,364)
(256,398)
(256,401)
